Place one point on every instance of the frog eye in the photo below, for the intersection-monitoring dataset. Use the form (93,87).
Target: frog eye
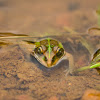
(38,50)
(60,52)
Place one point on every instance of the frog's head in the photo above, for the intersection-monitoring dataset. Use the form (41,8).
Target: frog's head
(48,52)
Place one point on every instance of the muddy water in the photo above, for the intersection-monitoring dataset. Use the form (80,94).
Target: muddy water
(22,76)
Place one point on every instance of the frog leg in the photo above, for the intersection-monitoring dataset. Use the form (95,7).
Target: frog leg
(70,58)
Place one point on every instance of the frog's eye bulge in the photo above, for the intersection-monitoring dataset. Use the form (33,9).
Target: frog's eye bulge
(58,55)
(38,50)
(60,52)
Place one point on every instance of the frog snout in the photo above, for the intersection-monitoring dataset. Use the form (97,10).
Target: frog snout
(49,63)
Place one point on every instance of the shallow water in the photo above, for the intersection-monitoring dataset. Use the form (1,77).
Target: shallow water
(21,75)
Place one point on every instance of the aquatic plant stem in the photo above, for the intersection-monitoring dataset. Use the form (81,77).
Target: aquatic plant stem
(82,68)
(15,37)
(89,67)
(95,65)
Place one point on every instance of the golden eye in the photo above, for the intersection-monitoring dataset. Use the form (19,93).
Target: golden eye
(38,50)
(43,48)
(60,52)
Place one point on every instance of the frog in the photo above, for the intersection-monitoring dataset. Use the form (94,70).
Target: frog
(50,52)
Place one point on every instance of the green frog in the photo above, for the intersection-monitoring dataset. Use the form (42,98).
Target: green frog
(49,52)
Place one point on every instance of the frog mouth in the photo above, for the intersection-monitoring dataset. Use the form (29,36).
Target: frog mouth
(51,64)
(55,63)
